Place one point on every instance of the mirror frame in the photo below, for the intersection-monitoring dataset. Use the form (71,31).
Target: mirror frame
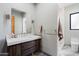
(70,20)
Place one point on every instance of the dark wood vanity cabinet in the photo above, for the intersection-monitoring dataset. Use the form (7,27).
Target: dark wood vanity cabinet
(25,49)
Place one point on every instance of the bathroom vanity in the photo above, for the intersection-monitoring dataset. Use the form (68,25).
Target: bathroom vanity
(23,46)
(20,43)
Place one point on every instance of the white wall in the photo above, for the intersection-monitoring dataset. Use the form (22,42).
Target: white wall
(46,15)
(69,34)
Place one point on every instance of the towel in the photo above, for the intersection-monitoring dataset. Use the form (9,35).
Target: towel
(41,29)
(60,33)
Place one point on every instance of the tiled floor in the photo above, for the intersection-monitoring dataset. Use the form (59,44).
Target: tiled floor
(39,54)
(67,51)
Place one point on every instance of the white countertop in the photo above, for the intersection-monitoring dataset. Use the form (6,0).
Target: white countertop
(13,41)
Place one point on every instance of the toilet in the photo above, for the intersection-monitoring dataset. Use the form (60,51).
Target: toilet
(75,45)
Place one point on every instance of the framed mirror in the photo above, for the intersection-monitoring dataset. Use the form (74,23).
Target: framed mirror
(74,21)
(18,21)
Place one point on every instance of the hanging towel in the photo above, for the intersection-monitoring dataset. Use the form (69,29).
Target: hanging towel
(60,33)
(41,29)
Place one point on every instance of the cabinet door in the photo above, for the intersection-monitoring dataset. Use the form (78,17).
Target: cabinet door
(14,50)
(38,45)
(11,50)
(18,50)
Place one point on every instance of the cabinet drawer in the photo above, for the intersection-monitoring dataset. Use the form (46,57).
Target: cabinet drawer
(28,45)
(29,51)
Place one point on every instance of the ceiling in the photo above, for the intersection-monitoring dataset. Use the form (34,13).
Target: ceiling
(62,5)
